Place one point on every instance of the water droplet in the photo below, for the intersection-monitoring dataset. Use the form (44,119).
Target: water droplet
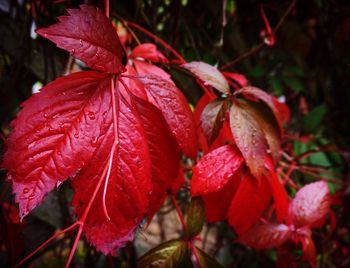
(93,141)
(25,190)
(31,196)
(253,142)
(104,114)
(80,42)
(96,55)
(46,115)
(72,51)
(59,153)
(91,115)
(76,135)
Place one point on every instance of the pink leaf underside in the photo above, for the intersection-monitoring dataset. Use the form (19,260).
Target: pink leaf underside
(311,204)
(54,135)
(164,153)
(217,203)
(212,119)
(210,75)
(249,202)
(169,99)
(280,110)
(129,185)
(215,169)
(249,137)
(89,36)
(265,236)
(148,51)
(278,192)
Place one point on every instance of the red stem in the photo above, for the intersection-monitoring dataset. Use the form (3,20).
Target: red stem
(179,213)
(107,8)
(195,253)
(157,39)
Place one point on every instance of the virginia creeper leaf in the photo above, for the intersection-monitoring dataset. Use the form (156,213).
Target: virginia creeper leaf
(238,78)
(128,187)
(210,75)
(169,99)
(148,51)
(88,35)
(54,135)
(207,261)
(311,204)
(280,110)
(172,253)
(212,119)
(146,68)
(250,201)
(265,236)
(215,169)
(249,136)
(278,192)
(217,203)
(195,216)
(164,153)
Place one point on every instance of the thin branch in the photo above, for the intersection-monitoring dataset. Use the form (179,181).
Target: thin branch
(261,45)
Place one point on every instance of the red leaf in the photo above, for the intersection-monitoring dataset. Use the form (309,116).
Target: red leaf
(249,136)
(215,169)
(128,188)
(278,191)
(210,75)
(217,203)
(146,68)
(169,99)
(249,203)
(164,153)
(88,35)
(238,78)
(311,204)
(265,236)
(148,51)
(212,119)
(54,135)
(280,110)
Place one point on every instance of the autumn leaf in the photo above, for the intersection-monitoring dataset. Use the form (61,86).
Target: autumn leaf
(311,204)
(55,135)
(148,51)
(210,75)
(265,236)
(89,36)
(212,119)
(173,105)
(215,169)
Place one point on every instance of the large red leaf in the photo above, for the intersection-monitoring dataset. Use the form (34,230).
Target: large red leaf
(279,109)
(55,135)
(129,184)
(215,169)
(217,203)
(265,236)
(249,136)
(148,51)
(169,99)
(164,153)
(250,201)
(88,35)
(279,193)
(210,75)
(311,204)
(212,119)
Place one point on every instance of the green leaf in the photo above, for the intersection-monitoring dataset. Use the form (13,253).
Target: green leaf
(195,217)
(173,253)
(207,261)
(314,118)
(294,83)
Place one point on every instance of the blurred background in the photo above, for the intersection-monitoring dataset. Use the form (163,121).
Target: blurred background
(307,66)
